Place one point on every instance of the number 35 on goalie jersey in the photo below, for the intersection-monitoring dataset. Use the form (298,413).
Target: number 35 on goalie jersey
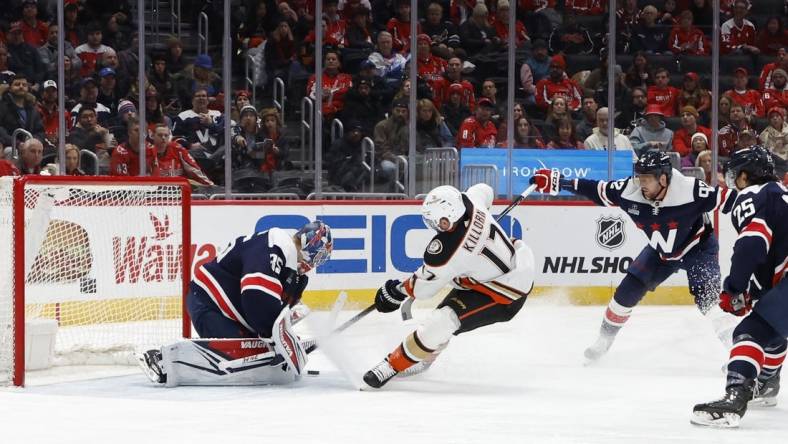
(760,254)
(246,280)
(477,256)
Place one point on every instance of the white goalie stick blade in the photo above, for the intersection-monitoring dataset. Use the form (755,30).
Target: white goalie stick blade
(727,421)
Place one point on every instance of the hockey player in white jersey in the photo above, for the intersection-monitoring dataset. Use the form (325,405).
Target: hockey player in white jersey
(490,273)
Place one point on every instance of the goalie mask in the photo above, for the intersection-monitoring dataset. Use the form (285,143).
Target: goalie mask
(444,202)
(316,245)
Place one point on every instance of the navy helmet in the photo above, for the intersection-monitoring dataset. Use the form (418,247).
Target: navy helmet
(754,160)
(656,163)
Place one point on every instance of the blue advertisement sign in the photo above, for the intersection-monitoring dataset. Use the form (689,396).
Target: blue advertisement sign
(582,164)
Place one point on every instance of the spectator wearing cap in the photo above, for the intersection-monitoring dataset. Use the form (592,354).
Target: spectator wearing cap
(391,135)
(699,144)
(682,138)
(18,110)
(48,53)
(686,39)
(598,140)
(361,106)
(557,84)
(23,58)
(242,98)
(652,134)
(125,72)
(279,51)
(765,79)
(252,148)
(453,76)
(443,34)
(35,32)
(88,95)
(750,99)
(500,22)
(117,126)
(344,162)
(50,117)
(430,68)
(728,136)
(478,131)
(399,27)
(454,109)
(380,89)
(200,126)
(335,85)
(107,93)
(662,94)
(650,36)
(199,76)
(571,38)
(737,35)
(777,94)
(772,37)
(389,63)
(775,136)
(476,34)
(692,94)
(92,51)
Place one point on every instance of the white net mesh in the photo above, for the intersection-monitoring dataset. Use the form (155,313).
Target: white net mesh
(6,279)
(105,261)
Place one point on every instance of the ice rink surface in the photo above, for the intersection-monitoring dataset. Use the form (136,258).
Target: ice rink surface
(520,382)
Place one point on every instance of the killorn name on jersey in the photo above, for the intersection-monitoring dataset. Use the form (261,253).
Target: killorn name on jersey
(477,226)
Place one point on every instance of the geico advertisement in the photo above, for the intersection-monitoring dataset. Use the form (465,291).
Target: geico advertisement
(573,245)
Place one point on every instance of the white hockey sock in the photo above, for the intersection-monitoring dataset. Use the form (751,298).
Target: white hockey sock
(723,324)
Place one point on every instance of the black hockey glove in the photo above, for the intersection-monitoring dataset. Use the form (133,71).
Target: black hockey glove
(389,297)
(294,285)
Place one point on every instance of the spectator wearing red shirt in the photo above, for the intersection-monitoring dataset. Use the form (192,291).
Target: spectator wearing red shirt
(557,84)
(738,34)
(682,138)
(430,67)
(399,27)
(125,160)
(335,28)
(584,7)
(662,94)
(728,136)
(7,168)
(71,25)
(453,76)
(48,110)
(693,95)
(765,79)
(173,160)
(335,85)
(750,99)
(91,52)
(478,131)
(34,31)
(500,23)
(777,95)
(686,38)
(772,37)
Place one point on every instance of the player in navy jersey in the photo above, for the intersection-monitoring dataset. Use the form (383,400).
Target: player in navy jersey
(247,291)
(671,210)
(757,281)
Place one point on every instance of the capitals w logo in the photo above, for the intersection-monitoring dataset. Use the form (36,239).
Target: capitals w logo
(658,242)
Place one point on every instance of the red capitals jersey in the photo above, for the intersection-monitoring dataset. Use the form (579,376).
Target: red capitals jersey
(125,162)
(335,33)
(8,169)
(473,133)
(666,98)
(431,70)
(733,37)
(584,7)
(698,44)
(400,32)
(35,36)
(727,139)
(546,89)
(51,121)
(773,97)
(177,162)
(442,93)
(337,86)
(766,75)
(750,99)
(502,31)
(90,58)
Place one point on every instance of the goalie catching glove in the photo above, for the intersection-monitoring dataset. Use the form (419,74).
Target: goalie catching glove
(389,297)
(550,182)
(737,304)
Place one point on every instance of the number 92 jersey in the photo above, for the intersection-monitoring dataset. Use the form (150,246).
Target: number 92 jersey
(759,262)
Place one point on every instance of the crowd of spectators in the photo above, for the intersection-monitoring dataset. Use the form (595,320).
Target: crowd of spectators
(662,82)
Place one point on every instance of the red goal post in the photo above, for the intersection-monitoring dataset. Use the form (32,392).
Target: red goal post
(104,261)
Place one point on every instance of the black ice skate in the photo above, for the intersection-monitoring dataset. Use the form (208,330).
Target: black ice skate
(725,412)
(380,374)
(150,363)
(765,394)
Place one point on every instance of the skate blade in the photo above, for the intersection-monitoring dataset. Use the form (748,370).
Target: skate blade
(728,420)
(762,402)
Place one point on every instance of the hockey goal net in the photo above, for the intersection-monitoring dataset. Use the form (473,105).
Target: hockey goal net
(101,263)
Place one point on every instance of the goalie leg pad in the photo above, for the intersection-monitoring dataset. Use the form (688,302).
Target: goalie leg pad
(223,362)
(287,343)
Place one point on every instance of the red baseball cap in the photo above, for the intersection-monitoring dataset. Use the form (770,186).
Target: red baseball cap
(484,101)
(423,38)
(776,109)
(558,60)
(742,71)
(654,109)
(455,88)
(692,75)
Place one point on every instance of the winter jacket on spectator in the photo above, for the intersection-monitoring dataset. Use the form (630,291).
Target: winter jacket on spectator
(23,58)
(365,109)
(10,119)
(391,138)
(540,69)
(732,37)
(48,55)
(476,39)
(776,141)
(570,38)
(390,68)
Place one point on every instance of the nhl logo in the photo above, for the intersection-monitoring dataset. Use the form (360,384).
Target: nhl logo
(610,232)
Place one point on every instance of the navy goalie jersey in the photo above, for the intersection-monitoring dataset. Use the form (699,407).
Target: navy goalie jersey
(672,226)
(760,254)
(246,280)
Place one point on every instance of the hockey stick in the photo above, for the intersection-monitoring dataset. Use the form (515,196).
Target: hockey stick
(405,308)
